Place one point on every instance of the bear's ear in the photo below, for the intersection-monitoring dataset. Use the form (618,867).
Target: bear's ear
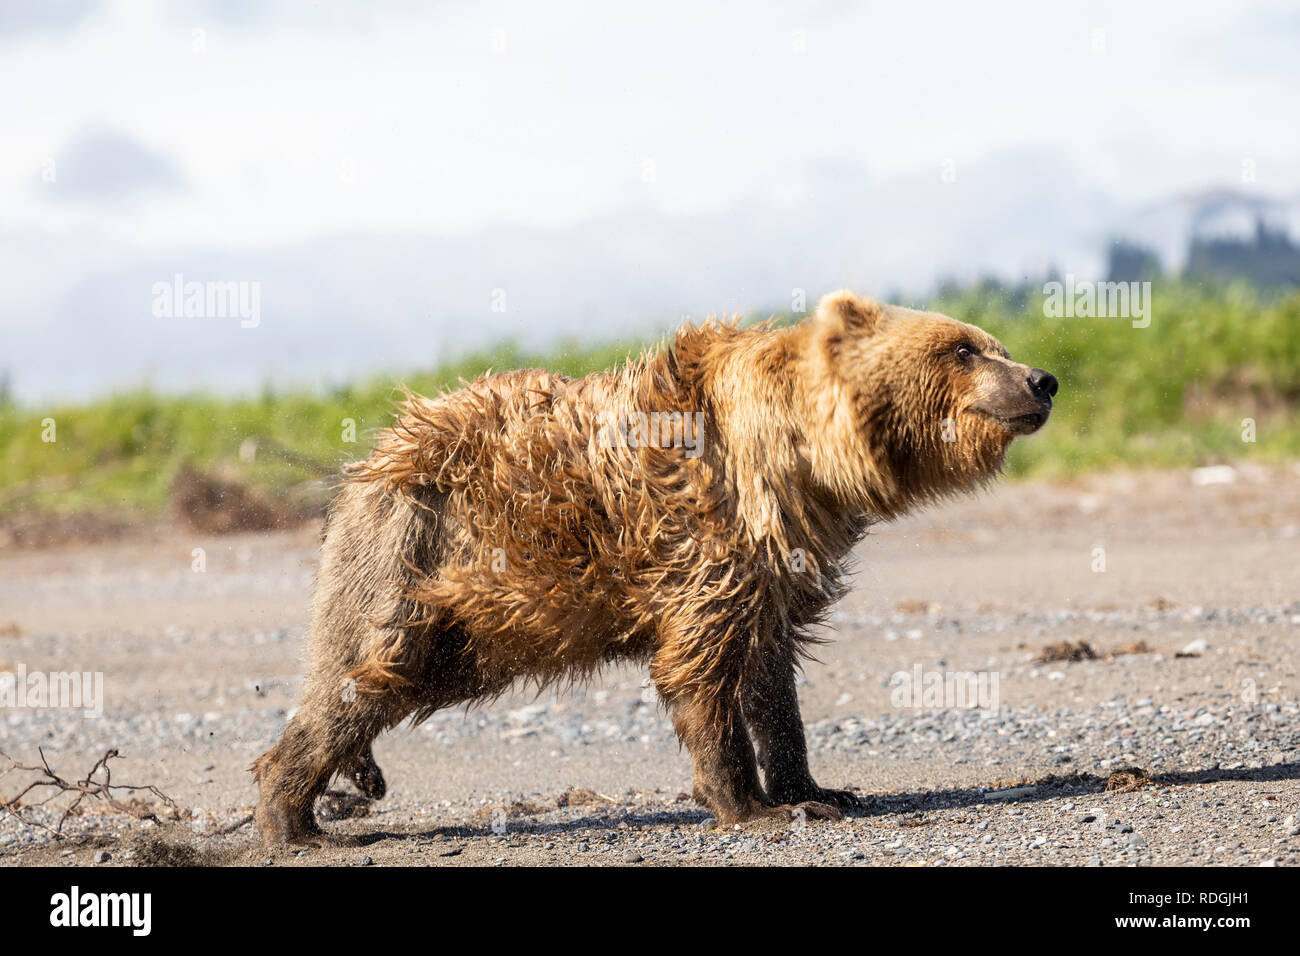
(848,311)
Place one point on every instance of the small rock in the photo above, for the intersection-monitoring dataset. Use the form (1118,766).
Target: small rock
(102,856)
(1198,646)
(1214,475)
(365,861)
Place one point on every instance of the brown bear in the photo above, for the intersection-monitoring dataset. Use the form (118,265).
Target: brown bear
(692,511)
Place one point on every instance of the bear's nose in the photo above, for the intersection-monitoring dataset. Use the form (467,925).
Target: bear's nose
(1041,381)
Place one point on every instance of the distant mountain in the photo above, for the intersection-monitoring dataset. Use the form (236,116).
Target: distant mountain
(1269,258)
(1170,227)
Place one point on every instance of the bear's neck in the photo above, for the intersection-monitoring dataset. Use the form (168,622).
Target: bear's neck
(749,383)
(843,464)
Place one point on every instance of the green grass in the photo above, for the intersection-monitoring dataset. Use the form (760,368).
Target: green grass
(122,452)
(1173,394)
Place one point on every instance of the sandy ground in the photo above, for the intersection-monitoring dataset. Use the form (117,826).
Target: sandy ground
(1195,624)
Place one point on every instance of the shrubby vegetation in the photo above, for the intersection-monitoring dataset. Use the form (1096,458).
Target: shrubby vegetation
(1173,394)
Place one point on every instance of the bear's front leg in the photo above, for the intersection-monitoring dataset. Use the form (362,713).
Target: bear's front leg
(726,775)
(709,720)
(771,707)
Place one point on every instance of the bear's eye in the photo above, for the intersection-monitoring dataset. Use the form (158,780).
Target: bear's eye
(965,351)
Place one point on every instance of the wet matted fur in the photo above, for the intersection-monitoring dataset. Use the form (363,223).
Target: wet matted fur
(531,527)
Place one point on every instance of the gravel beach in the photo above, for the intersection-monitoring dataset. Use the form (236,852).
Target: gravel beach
(1137,632)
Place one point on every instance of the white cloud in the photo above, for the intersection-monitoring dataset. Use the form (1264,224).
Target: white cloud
(414,123)
(103,166)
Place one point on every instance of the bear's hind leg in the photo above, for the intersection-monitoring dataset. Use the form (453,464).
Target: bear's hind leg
(328,734)
(366,776)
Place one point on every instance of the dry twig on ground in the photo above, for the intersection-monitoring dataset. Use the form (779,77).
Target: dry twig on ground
(89,786)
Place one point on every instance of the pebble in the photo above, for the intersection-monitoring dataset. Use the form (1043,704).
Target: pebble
(1013,793)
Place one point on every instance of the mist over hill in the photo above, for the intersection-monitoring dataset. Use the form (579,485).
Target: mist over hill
(76,317)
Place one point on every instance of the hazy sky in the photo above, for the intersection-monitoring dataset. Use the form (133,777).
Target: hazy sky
(227,122)
(381,168)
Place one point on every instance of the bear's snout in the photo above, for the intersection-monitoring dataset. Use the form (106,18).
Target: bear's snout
(1043,387)
(1042,383)
(1017,397)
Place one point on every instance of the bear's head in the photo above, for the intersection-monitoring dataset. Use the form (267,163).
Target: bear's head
(911,405)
